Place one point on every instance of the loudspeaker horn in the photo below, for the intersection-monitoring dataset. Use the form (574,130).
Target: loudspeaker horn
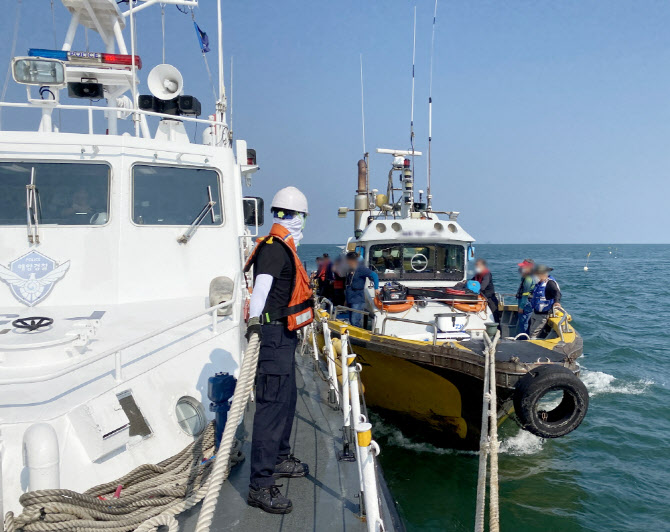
(165,82)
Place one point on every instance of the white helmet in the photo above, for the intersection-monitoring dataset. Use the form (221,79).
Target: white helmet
(291,199)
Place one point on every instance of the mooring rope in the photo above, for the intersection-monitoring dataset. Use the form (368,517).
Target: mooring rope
(152,494)
(488,442)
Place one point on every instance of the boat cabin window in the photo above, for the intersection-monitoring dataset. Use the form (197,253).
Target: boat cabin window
(418,262)
(66,193)
(164,195)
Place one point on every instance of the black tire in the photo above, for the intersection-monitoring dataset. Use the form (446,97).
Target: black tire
(562,419)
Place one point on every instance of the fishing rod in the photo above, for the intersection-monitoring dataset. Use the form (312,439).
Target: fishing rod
(429,196)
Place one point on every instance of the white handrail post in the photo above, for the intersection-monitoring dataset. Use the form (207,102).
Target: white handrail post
(346,454)
(314,346)
(356,417)
(118,367)
(215,313)
(368,449)
(333,395)
(90,121)
(344,361)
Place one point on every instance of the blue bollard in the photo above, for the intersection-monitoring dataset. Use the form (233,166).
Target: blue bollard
(220,391)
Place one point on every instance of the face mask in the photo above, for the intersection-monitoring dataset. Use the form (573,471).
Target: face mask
(479,269)
(295,225)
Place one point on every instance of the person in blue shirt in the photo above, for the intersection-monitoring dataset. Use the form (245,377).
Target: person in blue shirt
(355,287)
(523,294)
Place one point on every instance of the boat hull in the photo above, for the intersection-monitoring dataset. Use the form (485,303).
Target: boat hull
(435,393)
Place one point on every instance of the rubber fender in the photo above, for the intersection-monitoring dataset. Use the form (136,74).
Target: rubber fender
(562,418)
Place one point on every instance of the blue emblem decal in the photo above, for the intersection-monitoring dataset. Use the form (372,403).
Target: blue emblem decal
(32,277)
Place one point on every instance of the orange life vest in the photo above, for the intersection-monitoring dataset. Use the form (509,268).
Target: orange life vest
(300,311)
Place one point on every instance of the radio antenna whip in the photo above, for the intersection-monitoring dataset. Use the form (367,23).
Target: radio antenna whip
(411,121)
(362,104)
(429,196)
(365,153)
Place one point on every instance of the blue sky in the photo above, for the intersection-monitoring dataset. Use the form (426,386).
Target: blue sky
(551,120)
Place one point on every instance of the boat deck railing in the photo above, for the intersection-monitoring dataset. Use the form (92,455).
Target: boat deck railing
(50,105)
(117,352)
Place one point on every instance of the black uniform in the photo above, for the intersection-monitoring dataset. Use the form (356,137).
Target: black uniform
(489,292)
(276,391)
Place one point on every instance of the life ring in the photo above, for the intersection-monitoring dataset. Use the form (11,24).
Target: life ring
(561,419)
(395,307)
(475,306)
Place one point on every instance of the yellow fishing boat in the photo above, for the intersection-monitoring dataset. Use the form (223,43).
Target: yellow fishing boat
(422,341)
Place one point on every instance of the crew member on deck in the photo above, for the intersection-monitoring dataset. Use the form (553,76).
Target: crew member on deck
(546,296)
(523,294)
(280,304)
(485,279)
(355,290)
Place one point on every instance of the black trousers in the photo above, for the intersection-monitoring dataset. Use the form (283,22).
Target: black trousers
(276,396)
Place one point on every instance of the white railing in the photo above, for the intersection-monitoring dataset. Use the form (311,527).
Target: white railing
(117,352)
(91,108)
(350,400)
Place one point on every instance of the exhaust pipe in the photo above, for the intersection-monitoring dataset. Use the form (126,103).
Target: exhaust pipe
(361,199)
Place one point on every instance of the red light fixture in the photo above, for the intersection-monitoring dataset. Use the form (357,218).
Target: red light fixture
(406,163)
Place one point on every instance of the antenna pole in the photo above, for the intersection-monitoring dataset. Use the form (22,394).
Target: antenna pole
(362,104)
(222,88)
(231,97)
(429,196)
(411,122)
(365,153)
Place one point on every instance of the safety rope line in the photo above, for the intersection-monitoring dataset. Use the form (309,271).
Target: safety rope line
(152,494)
(221,469)
(488,442)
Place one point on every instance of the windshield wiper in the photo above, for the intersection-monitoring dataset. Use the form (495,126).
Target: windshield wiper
(33,210)
(207,209)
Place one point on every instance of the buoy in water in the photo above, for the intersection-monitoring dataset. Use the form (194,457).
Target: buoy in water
(586,268)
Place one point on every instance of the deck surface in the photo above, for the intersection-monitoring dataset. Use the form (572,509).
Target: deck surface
(326,500)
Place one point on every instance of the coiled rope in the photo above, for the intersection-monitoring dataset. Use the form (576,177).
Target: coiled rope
(152,494)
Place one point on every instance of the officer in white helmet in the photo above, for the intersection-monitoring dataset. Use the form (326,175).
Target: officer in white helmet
(281,303)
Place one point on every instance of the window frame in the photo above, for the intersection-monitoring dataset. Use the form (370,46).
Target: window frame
(110,177)
(402,275)
(219,198)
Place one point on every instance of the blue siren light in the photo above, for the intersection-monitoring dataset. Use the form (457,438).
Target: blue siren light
(50,54)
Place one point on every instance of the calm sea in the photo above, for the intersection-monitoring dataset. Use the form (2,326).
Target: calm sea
(613,473)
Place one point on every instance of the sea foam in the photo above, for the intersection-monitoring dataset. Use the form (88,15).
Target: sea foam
(598,382)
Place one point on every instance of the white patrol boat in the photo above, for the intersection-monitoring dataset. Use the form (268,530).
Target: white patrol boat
(122,302)
(121,250)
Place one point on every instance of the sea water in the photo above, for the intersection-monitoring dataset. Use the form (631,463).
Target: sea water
(613,472)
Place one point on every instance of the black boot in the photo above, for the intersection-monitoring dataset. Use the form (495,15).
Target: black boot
(269,500)
(291,467)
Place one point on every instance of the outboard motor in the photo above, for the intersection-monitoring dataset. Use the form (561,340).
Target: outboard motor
(220,391)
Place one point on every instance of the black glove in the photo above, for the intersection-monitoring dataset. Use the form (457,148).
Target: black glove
(254,326)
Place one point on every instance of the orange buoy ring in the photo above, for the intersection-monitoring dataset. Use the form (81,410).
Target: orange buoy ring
(477,306)
(395,307)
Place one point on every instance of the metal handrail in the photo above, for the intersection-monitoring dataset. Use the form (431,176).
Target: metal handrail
(416,322)
(89,108)
(118,350)
(339,308)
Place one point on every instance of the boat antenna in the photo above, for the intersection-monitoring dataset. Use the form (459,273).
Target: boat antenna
(411,121)
(231,97)
(362,104)
(365,153)
(222,88)
(429,196)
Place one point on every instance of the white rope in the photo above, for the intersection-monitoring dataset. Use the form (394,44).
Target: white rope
(221,468)
(488,443)
(152,494)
